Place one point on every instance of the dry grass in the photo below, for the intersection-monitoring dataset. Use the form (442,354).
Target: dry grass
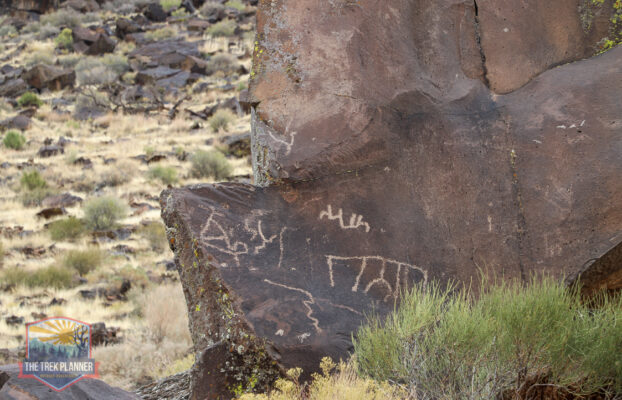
(160,344)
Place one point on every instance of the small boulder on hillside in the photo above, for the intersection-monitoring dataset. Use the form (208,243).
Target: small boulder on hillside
(154,12)
(92,42)
(13,88)
(52,78)
(61,200)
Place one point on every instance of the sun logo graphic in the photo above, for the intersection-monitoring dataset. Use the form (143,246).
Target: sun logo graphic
(58,352)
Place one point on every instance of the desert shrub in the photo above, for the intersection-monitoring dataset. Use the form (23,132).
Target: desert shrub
(32,180)
(64,17)
(226,27)
(168,5)
(114,177)
(166,175)
(47,31)
(101,70)
(66,229)
(155,234)
(29,99)
(102,213)
(14,140)
(70,60)
(83,261)
(221,119)
(180,12)
(210,8)
(210,164)
(237,4)
(8,31)
(160,34)
(64,40)
(222,62)
(336,381)
(34,188)
(43,56)
(92,103)
(54,276)
(446,345)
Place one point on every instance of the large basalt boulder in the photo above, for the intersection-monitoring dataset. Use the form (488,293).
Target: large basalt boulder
(393,146)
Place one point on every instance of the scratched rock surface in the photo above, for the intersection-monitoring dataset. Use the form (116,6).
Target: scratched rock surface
(389,153)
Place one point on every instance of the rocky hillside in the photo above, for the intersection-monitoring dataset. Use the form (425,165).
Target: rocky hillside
(102,105)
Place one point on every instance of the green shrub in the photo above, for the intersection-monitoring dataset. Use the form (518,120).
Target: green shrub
(66,229)
(102,213)
(222,62)
(29,99)
(32,180)
(210,164)
(64,40)
(168,5)
(34,188)
(166,175)
(56,277)
(453,346)
(83,261)
(14,140)
(221,119)
(226,27)
(237,4)
(155,234)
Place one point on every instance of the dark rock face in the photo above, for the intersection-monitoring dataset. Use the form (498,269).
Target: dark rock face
(389,156)
(14,388)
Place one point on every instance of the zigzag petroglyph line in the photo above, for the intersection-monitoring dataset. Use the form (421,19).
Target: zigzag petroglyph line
(356,221)
(307,303)
(380,279)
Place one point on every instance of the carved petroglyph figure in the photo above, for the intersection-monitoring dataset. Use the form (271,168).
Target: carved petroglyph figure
(401,268)
(356,221)
(307,303)
(215,236)
(287,145)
